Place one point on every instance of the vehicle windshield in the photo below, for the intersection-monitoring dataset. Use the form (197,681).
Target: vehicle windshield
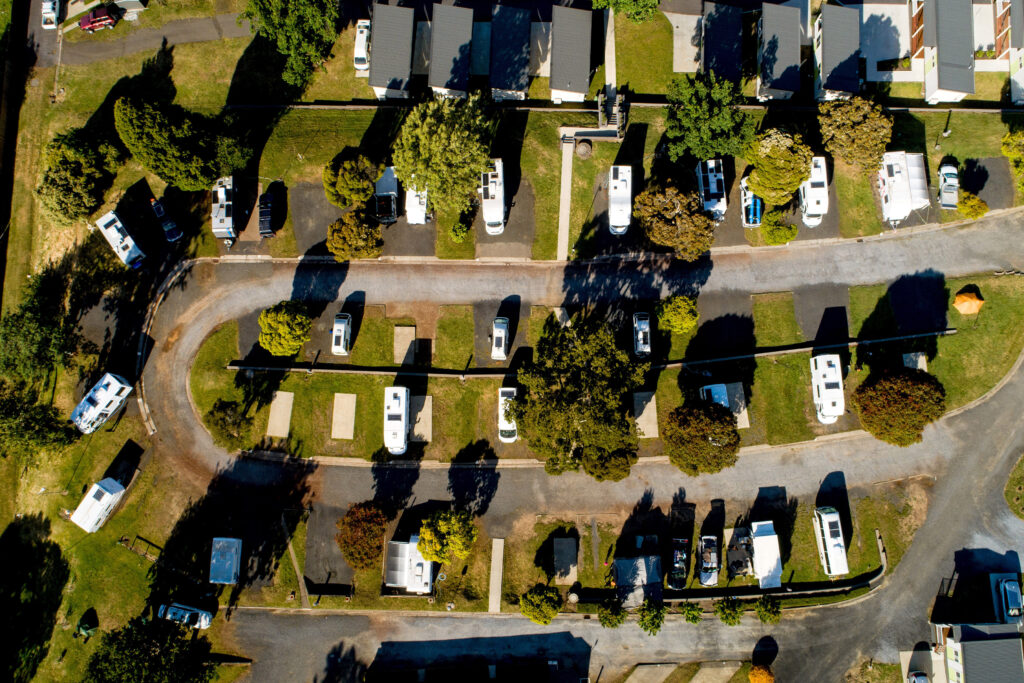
(507,433)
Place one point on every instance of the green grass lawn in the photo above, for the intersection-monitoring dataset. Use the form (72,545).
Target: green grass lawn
(972,136)
(775,320)
(780,400)
(306,139)
(989,86)
(453,347)
(374,345)
(447,248)
(643,54)
(336,80)
(157,13)
(1014,492)
(859,214)
(875,672)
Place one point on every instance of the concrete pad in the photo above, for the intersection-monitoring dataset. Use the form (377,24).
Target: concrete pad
(651,673)
(497,563)
(738,404)
(564,200)
(917,359)
(363,74)
(422,411)
(925,661)
(344,422)
(645,409)
(280,420)
(405,344)
(715,672)
(565,552)
(685,42)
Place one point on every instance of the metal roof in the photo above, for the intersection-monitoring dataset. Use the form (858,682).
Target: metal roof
(993,661)
(840,48)
(391,46)
(570,49)
(949,28)
(722,40)
(510,48)
(451,39)
(780,47)
(1016,23)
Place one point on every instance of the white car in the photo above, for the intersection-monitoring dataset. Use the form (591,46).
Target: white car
(184,615)
(50,9)
(641,334)
(499,339)
(396,420)
(711,184)
(361,58)
(709,561)
(507,431)
(340,334)
(620,198)
(949,187)
(814,194)
(492,197)
(827,387)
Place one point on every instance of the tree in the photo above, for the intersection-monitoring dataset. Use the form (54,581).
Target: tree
(361,534)
(704,120)
(571,403)
(701,437)
(1013,150)
(638,11)
(36,337)
(760,673)
(781,162)
(284,328)
(692,612)
(775,231)
(855,131)
(729,611)
(768,609)
(971,206)
(350,182)
(678,314)
(228,422)
(447,535)
(650,616)
(676,220)
(611,614)
(354,235)
(897,405)
(156,651)
(304,32)
(540,604)
(27,426)
(441,147)
(76,173)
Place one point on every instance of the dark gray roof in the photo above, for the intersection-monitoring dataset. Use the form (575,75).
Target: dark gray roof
(723,40)
(692,7)
(391,46)
(510,48)
(570,49)
(949,28)
(840,48)
(1016,23)
(451,39)
(780,47)
(994,661)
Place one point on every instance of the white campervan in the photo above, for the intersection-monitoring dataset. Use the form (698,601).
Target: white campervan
(222,214)
(102,401)
(620,198)
(396,420)
(415,206)
(711,185)
(828,532)
(827,387)
(120,241)
(492,197)
(902,185)
(814,194)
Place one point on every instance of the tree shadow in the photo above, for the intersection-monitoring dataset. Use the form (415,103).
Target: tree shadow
(507,145)
(544,558)
(727,336)
(771,504)
(393,482)
(714,522)
(645,531)
(473,477)
(973,176)
(341,665)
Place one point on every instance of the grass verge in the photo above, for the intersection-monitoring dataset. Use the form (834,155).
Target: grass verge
(1014,492)
(643,54)
(775,320)
(453,347)
(859,214)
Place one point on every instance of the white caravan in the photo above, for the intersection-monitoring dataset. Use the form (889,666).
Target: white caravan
(120,241)
(827,387)
(97,505)
(620,198)
(814,194)
(492,197)
(102,401)
(902,185)
(828,532)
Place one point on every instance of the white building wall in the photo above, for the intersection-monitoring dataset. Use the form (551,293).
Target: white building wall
(558,96)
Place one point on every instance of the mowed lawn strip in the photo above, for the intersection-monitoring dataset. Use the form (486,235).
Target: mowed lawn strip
(453,347)
(775,320)
(643,54)
(859,213)
(780,402)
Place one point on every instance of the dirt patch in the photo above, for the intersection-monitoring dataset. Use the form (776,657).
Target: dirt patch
(917,498)
(172,338)
(424,314)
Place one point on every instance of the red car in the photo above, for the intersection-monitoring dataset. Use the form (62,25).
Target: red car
(101,17)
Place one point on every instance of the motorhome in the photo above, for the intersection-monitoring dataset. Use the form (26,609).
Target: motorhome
(120,241)
(225,560)
(415,206)
(396,420)
(828,532)
(711,185)
(492,197)
(222,208)
(827,387)
(102,401)
(902,185)
(620,198)
(814,194)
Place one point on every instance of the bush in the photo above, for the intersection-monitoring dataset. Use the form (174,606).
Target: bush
(228,422)
(692,612)
(650,616)
(760,673)
(855,131)
(971,206)
(350,182)
(284,328)
(673,219)
(781,162)
(701,437)
(361,535)
(768,609)
(27,426)
(611,614)
(1013,150)
(447,534)
(774,231)
(353,236)
(540,604)
(76,174)
(897,405)
(459,232)
(729,610)
(157,650)
(637,11)
(678,314)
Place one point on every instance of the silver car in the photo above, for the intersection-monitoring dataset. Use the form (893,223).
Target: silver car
(184,615)
(949,187)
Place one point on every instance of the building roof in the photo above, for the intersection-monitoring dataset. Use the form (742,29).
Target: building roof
(1016,23)
(949,28)
(994,661)
(391,41)
(570,49)
(451,39)
(780,47)
(510,48)
(840,48)
(722,42)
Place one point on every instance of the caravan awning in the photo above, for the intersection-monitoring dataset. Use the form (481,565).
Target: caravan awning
(917,175)
(767,558)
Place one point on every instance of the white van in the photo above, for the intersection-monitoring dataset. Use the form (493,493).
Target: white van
(102,401)
(828,532)
(827,387)
(620,198)
(814,194)
(361,55)
(396,420)
(507,431)
(120,241)
(492,197)
(711,185)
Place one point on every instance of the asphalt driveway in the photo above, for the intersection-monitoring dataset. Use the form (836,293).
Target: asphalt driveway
(516,241)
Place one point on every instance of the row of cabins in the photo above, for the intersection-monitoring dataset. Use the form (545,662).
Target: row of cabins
(451,47)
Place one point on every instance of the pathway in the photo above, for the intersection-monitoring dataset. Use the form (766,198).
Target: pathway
(565,193)
(610,81)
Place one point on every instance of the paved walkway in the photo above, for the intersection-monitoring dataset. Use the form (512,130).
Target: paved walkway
(610,81)
(565,197)
(497,565)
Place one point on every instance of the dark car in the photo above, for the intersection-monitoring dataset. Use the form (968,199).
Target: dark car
(680,563)
(266,215)
(99,18)
(171,230)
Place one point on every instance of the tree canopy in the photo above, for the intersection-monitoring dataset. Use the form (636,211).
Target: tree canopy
(704,121)
(651,616)
(354,235)
(729,611)
(855,131)
(157,651)
(971,205)
(284,328)
(36,337)
(27,426)
(768,609)
(540,604)
(638,11)
(775,230)
(673,219)
(760,673)
(781,162)
(678,314)
(611,614)
(76,173)
(447,535)
(351,181)
(442,148)
(701,437)
(361,534)
(303,31)
(571,405)
(896,405)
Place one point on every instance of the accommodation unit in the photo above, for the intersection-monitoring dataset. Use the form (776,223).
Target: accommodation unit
(983,654)
(451,40)
(492,197)
(827,387)
(222,202)
(836,53)
(620,198)
(225,560)
(828,534)
(407,570)
(510,53)
(778,54)
(391,36)
(902,185)
(120,241)
(102,401)
(570,53)
(948,50)
(1013,38)
(97,505)
(767,556)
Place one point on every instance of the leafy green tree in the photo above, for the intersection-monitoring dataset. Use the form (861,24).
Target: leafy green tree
(303,31)
(650,616)
(76,173)
(701,437)
(611,614)
(781,162)
(36,337)
(442,147)
(855,131)
(692,612)
(355,235)
(776,231)
(704,120)
(447,535)
(971,206)
(541,604)
(228,422)
(571,405)
(768,609)
(673,219)
(27,426)
(1013,150)
(350,182)
(895,406)
(361,535)
(284,328)
(157,651)
(729,611)
(638,11)
(678,314)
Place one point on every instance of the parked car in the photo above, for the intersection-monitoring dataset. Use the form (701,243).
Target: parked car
(99,18)
(708,561)
(715,393)
(711,184)
(340,334)
(507,431)
(396,420)
(949,186)
(753,206)
(499,339)
(641,334)
(266,215)
(172,233)
(50,12)
(184,615)
(917,677)
(385,197)
(1012,606)
(492,197)
(680,563)
(814,194)
(361,58)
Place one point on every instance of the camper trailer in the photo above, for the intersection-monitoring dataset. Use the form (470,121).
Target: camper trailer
(902,185)
(492,197)
(620,198)
(814,194)
(827,387)
(102,401)
(222,212)
(828,532)
(97,505)
(120,241)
